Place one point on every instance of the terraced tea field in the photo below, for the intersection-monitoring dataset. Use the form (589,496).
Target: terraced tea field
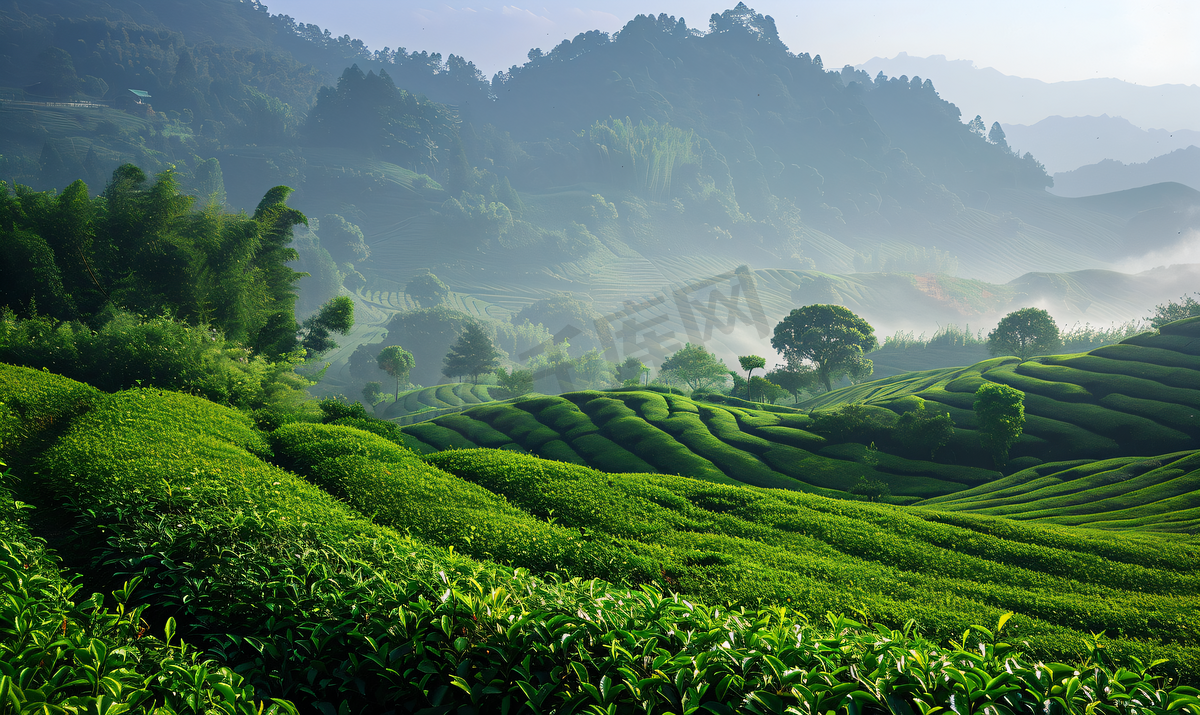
(641,431)
(1140,397)
(1127,493)
(428,402)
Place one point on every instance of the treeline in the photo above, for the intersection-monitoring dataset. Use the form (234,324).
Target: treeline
(139,285)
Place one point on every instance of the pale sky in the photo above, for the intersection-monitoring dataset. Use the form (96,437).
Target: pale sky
(1147,42)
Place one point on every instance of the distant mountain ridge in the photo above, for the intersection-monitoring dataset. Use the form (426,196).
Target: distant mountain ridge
(1067,143)
(1020,100)
(1181,166)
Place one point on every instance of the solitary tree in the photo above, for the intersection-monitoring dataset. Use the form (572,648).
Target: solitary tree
(977,125)
(427,289)
(1001,413)
(1025,333)
(830,337)
(397,362)
(472,355)
(871,489)
(695,367)
(750,363)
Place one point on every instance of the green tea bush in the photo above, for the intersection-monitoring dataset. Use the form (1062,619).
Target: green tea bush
(62,652)
(129,351)
(36,404)
(309,601)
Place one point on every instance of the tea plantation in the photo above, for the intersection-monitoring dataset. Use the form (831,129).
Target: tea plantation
(324,568)
(1140,397)
(429,402)
(644,431)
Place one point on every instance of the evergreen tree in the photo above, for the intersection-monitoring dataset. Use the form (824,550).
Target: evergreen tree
(472,355)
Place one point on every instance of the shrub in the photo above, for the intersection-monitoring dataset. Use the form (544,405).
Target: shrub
(130,351)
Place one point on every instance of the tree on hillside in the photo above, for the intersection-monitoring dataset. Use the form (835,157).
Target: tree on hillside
(1025,333)
(977,125)
(370,392)
(472,355)
(343,240)
(630,371)
(336,316)
(1187,307)
(1001,413)
(397,362)
(750,363)
(794,380)
(58,73)
(427,289)
(831,337)
(518,382)
(695,367)
(996,135)
(766,390)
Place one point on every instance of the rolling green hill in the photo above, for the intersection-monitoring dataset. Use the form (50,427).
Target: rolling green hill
(1160,493)
(1137,398)
(639,431)
(1094,421)
(427,402)
(268,565)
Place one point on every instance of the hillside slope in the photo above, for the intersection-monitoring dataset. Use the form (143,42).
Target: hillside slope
(206,465)
(1137,398)
(639,431)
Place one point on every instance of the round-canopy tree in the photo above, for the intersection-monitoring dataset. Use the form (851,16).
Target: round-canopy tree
(1025,333)
(830,337)
(695,367)
(397,362)
(750,363)
(1001,413)
(427,289)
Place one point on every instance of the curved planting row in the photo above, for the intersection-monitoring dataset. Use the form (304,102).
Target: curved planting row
(300,596)
(671,434)
(1140,397)
(443,398)
(1161,493)
(728,543)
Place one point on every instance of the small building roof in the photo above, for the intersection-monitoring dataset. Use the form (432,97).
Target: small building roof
(141,93)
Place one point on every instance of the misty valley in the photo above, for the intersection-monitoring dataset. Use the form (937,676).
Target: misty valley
(669,371)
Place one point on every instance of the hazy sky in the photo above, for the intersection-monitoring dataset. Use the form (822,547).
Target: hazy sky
(1142,41)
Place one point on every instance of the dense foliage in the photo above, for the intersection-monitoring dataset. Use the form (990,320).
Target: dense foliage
(128,351)
(142,247)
